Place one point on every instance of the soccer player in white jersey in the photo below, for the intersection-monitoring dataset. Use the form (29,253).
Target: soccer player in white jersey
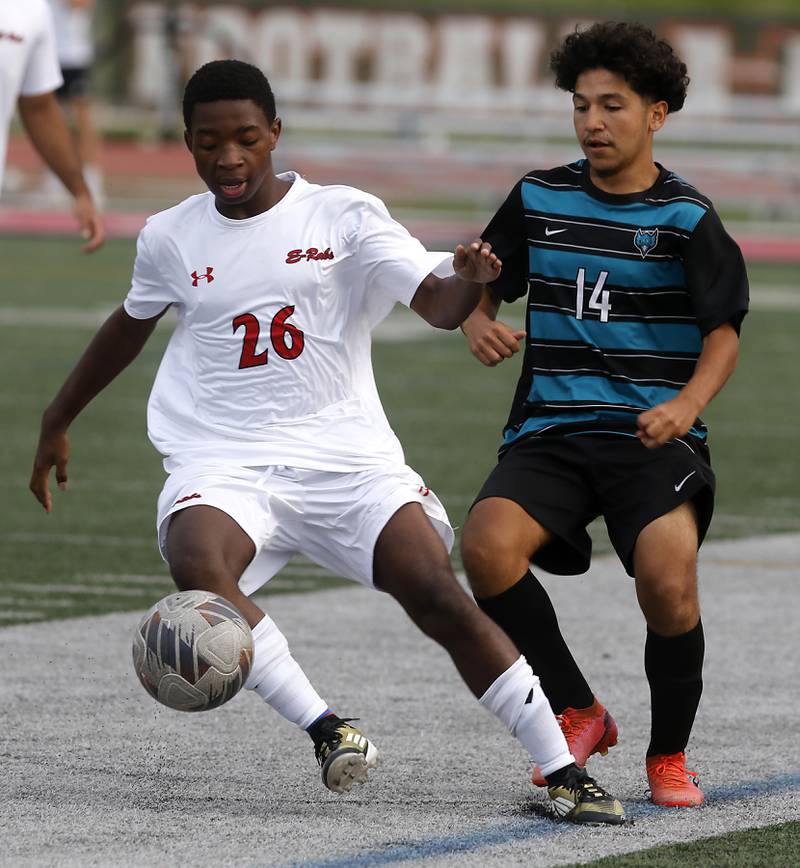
(29,78)
(273,435)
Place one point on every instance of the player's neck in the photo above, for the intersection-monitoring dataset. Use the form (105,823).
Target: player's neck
(635,178)
(275,189)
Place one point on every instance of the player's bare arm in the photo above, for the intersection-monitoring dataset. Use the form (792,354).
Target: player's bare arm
(489,339)
(445,302)
(113,348)
(674,418)
(48,130)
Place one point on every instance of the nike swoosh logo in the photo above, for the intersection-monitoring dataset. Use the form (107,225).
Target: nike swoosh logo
(679,486)
(548,231)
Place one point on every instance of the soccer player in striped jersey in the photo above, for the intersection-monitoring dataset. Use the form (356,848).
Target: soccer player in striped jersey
(636,294)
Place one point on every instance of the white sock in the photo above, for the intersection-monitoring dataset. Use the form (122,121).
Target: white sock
(278,679)
(517,698)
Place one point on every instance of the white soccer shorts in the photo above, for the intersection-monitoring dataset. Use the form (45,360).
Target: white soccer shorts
(334,519)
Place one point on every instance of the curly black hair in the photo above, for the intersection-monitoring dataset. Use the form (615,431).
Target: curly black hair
(648,64)
(228,79)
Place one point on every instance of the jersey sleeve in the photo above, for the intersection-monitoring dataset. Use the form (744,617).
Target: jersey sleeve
(393,262)
(716,276)
(149,294)
(506,234)
(42,73)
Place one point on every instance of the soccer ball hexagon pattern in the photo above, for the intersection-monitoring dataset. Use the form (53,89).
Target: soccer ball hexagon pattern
(193,651)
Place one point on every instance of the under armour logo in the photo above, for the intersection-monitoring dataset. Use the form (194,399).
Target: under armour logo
(209,276)
(424,490)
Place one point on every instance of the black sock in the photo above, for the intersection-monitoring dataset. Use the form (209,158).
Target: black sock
(674,668)
(526,614)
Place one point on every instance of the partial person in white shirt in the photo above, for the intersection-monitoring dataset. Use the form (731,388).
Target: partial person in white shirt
(72,21)
(29,78)
(273,435)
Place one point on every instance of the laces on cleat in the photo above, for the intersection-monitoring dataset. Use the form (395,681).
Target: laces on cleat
(329,736)
(671,783)
(580,799)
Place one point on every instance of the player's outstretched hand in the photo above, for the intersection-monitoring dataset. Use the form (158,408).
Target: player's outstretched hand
(90,222)
(476,262)
(53,451)
(664,422)
(490,340)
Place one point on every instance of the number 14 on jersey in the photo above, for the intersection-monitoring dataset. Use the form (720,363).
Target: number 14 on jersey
(600,298)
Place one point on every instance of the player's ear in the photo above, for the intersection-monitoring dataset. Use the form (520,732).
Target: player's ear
(275,132)
(187,138)
(658,115)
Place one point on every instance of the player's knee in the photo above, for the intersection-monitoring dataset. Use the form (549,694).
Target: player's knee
(671,607)
(491,560)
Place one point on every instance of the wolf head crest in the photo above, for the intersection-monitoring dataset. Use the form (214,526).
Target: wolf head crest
(645,240)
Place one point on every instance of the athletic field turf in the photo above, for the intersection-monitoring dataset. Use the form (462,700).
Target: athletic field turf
(95,555)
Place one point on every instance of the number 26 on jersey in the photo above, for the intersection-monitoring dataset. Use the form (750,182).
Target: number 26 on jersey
(287,340)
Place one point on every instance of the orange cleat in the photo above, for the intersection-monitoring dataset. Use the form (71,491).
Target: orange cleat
(587,731)
(671,784)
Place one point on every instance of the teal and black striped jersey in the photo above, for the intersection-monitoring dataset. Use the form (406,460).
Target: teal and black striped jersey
(621,291)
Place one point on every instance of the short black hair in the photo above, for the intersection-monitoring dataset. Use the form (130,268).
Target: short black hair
(227,80)
(648,64)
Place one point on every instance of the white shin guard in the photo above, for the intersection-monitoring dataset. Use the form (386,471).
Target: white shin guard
(517,698)
(278,679)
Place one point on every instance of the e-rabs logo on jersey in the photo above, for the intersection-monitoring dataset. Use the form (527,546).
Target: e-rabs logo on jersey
(312,254)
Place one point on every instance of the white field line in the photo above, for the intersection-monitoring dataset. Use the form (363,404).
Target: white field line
(115,486)
(300,578)
(24,615)
(76,539)
(38,588)
(8,603)
(57,588)
(101,579)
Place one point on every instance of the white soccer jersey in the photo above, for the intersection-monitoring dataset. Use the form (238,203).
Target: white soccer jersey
(28,59)
(270,361)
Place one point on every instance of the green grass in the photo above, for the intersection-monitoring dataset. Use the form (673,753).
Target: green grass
(447,409)
(770,847)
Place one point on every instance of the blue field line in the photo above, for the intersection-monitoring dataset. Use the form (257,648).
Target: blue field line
(530,829)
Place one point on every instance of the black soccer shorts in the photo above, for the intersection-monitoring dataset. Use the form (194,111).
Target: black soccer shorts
(566,482)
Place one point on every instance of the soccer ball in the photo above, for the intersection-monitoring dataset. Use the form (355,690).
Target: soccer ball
(193,651)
